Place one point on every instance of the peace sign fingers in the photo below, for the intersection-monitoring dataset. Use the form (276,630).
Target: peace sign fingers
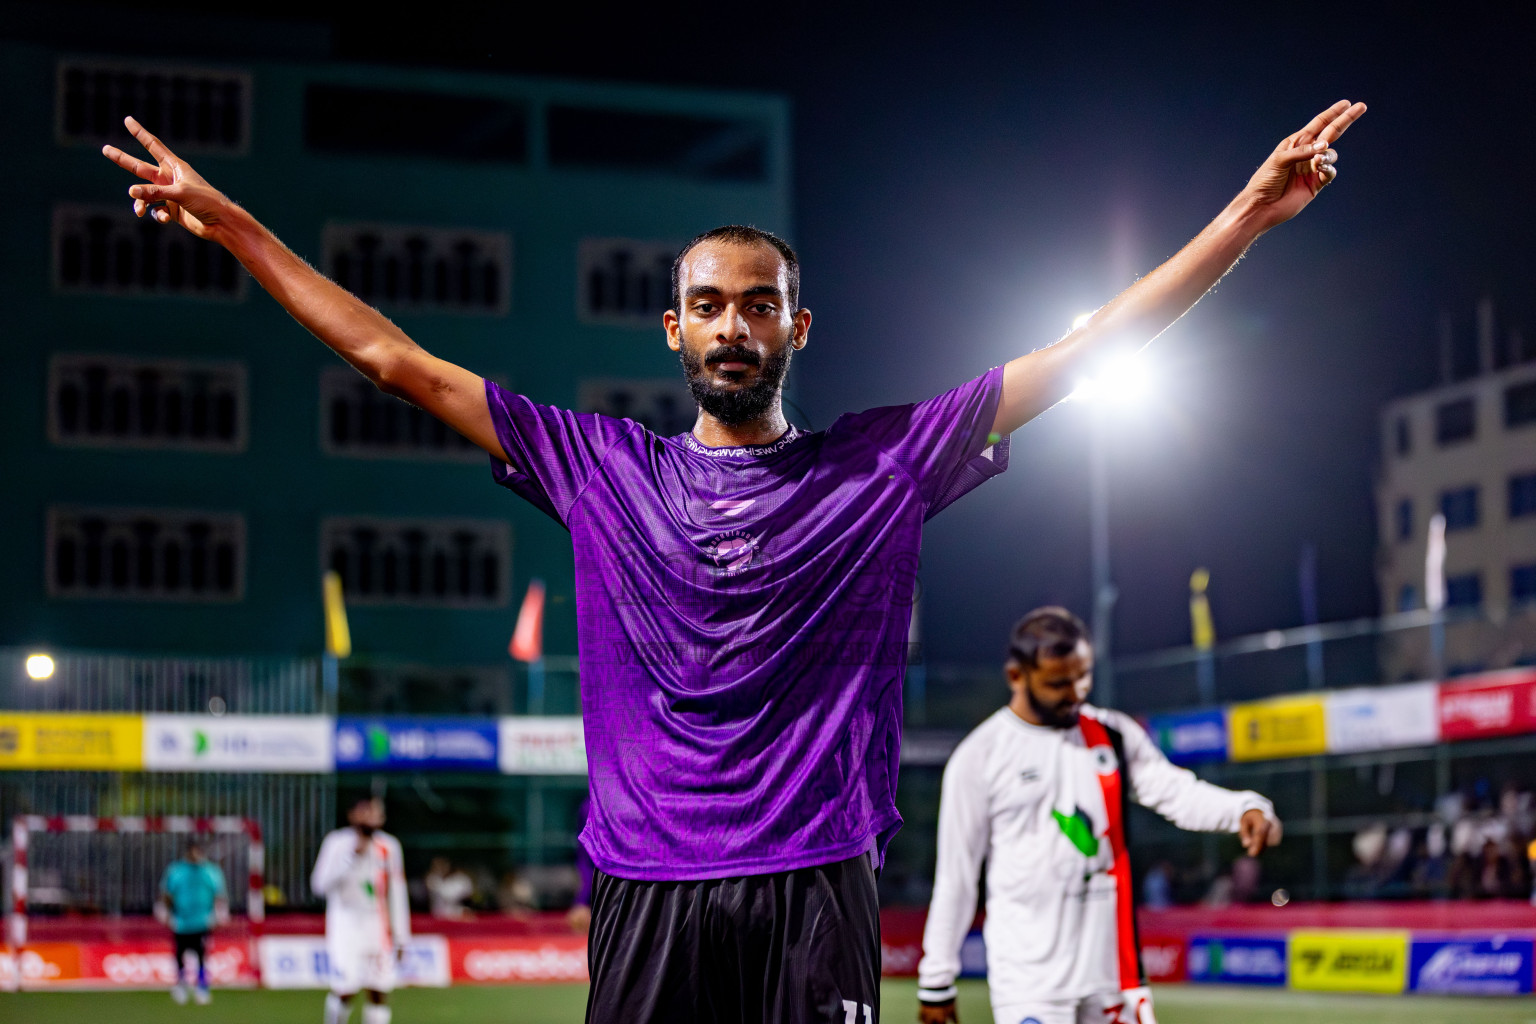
(1341,121)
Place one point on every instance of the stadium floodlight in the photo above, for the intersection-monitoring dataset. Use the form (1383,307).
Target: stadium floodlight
(39,667)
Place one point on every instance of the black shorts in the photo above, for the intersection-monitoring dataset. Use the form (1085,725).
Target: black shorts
(793,947)
(190,942)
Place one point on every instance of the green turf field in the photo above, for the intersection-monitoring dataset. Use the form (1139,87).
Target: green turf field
(562,1004)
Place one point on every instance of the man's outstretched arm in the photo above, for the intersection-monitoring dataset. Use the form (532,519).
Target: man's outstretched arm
(356,331)
(1287,181)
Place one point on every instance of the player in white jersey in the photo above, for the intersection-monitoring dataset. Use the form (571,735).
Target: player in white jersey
(1039,791)
(361,874)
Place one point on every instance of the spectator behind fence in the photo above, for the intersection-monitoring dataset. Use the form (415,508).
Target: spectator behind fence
(448,889)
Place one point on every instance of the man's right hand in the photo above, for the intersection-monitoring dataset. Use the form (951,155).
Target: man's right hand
(937,1013)
(182,194)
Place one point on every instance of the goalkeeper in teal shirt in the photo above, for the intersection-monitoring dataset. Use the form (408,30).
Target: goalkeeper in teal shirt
(192,900)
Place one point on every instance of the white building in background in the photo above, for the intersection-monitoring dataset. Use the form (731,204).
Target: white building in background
(1466,449)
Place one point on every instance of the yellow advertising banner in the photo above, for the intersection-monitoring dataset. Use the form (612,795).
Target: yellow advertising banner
(77,742)
(1288,727)
(1341,960)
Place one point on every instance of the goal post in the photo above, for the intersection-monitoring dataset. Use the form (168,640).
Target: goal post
(27,830)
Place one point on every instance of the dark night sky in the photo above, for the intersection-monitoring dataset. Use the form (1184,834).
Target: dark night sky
(969,177)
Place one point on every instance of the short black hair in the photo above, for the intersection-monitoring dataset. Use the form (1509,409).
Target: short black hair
(1051,630)
(742,234)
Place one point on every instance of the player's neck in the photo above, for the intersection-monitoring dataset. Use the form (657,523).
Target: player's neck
(1020,706)
(764,429)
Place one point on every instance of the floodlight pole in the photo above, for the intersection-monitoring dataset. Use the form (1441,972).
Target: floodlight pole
(1104,592)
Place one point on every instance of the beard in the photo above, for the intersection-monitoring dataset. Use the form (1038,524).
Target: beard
(735,406)
(1057,717)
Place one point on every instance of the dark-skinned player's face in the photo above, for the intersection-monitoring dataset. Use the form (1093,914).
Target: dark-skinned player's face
(1057,686)
(367,816)
(736,330)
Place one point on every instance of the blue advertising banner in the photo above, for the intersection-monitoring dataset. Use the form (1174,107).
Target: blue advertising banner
(1237,960)
(1495,965)
(1191,737)
(446,744)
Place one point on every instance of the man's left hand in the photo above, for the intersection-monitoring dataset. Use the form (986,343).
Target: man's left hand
(1258,831)
(1300,166)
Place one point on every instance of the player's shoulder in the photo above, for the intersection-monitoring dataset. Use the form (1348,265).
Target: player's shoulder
(982,740)
(1128,728)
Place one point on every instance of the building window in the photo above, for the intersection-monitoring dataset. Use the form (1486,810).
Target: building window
(106,250)
(711,148)
(454,563)
(1403,516)
(1459,508)
(1407,597)
(1522,584)
(1403,436)
(145,555)
(1456,421)
(360,421)
(366,122)
(1522,495)
(1464,591)
(1520,404)
(101,401)
(192,110)
(421,269)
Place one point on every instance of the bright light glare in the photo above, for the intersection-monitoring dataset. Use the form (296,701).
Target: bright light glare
(1081,319)
(1124,382)
(40,666)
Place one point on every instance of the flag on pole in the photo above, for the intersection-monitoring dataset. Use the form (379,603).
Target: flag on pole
(338,638)
(1434,565)
(528,636)
(1201,627)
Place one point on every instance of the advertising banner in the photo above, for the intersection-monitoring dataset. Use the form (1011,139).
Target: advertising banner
(1496,965)
(1496,704)
(1236,960)
(1287,727)
(70,741)
(1382,717)
(238,743)
(300,961)
(368,744)
(520,958)
(1343,960)
(536,745)
(1192,737)
(132,963)
(1162,956)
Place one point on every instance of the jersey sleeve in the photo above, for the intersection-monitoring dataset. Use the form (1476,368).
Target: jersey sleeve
(338,851)
(1177,793)
(399,897)
(551,452)
(964,834)
(944,444)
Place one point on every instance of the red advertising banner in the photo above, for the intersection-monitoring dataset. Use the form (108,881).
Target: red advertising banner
(518,958)
(1162,956)
(128,964)
(1496,704)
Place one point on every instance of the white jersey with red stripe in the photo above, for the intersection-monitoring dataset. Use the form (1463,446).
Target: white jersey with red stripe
(367,910)
(1044,808)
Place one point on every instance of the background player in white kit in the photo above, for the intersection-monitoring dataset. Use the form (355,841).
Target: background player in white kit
(1039,791)
(361,874)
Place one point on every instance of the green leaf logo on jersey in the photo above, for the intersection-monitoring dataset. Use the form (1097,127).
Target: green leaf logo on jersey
(1078,828)
(368,888)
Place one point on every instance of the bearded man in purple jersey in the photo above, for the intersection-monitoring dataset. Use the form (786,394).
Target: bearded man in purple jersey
(743,590)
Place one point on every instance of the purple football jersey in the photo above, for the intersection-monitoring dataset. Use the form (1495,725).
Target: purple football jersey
(742,618)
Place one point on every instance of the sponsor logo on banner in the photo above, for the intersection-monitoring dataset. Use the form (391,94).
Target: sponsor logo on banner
(301,961)
(42,963)
(1287,727)
(70,741)
(239,743)
(1236,960)
(1163,958)
(1493,966)
(520,959)
(1496,704)
(1193,737)
(370,743)
(1340,960)
(1379,718)
(534,745)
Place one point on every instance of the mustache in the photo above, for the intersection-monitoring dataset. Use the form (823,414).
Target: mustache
(733,354)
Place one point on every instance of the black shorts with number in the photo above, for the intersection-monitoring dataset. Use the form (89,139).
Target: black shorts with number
(190,942)
(794,947)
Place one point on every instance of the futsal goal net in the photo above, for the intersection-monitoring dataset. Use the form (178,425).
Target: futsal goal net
(81,865)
